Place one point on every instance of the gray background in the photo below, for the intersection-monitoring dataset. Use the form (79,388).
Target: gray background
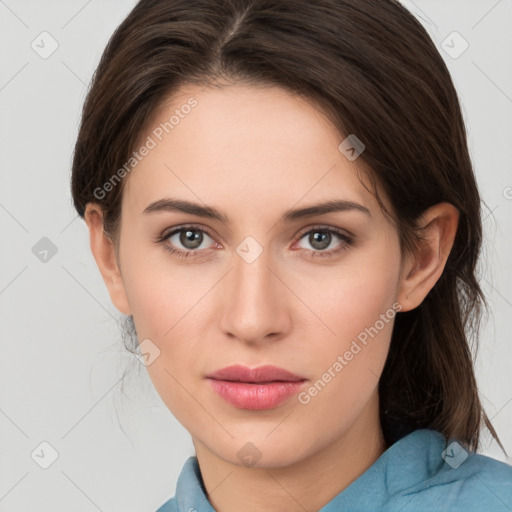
(119,448)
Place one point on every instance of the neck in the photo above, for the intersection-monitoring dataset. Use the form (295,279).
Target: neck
(307,484)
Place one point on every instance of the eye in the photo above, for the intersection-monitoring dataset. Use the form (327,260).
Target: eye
(187,239)
(320,238)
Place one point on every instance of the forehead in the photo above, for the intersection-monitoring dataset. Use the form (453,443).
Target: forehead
(245,146)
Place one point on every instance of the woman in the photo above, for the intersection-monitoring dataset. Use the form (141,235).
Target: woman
(280,197)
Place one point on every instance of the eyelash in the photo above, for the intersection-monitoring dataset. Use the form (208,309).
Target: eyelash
(194,253)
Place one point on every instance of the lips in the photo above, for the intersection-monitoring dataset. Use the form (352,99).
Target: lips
(267,373)
(264,387)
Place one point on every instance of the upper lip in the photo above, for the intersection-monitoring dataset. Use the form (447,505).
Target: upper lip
(266,373)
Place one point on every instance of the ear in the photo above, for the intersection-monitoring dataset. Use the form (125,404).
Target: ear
(104,253)
(422,269)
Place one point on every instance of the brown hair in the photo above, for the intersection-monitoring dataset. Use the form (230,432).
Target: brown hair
(373,68)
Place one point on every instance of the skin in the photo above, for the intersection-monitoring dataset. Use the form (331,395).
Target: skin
(254,153)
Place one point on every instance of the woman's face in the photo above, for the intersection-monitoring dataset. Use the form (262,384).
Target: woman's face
(255,284)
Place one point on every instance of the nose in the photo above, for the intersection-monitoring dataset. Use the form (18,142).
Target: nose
(255,301)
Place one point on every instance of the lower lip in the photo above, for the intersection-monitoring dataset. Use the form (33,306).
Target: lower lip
(255,396)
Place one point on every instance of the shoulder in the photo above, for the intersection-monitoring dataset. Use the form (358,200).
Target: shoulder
(457,480)
(479,483)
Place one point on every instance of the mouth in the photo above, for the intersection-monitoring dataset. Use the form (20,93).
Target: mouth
(260,388)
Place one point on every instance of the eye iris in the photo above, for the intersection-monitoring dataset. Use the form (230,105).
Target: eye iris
(189,236)
(324,238)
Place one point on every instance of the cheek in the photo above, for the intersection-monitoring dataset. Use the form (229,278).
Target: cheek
(165,300)
(355,305)
(355,296)
(347,369)
(163,306)
(155,291)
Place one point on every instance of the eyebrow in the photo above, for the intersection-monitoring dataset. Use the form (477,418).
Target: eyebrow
(181,206)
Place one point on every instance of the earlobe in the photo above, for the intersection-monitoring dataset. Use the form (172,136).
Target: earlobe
(421,271)
(103,250)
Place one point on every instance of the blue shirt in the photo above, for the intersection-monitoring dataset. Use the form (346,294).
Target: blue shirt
(418,473)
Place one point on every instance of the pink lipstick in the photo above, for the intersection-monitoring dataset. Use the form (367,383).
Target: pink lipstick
(259,388)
